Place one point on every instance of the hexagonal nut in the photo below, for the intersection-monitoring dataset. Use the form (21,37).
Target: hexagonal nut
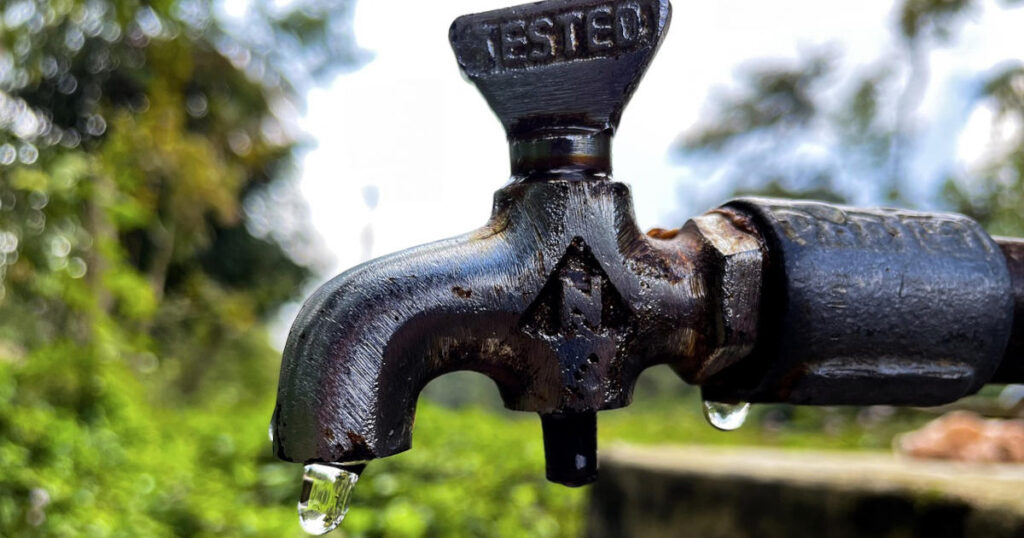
(732,261)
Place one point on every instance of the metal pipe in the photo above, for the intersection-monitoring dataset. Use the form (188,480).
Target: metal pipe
(871,306)
(1011,369)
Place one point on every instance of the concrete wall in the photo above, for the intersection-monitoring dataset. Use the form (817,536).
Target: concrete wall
(714,492)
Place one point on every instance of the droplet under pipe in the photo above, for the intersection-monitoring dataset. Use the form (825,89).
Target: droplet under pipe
(326,491)
(726,416)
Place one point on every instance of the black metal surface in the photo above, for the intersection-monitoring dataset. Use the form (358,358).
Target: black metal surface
(562,301)
(558,75)
(872,307)
(1011,369)
(570,447)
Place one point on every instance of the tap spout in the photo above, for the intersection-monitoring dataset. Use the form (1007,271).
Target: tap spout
(559,299)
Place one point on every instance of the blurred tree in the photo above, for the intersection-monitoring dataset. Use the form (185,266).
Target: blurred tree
(800,129)
(147,229)
(994,192)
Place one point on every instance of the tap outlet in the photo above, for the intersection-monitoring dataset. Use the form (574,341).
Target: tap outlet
(562,301)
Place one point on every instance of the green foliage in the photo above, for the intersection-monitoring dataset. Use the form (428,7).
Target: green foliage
(82,456)
(937,17)
(135,276)
(471,473)
(994,194)
(777,97)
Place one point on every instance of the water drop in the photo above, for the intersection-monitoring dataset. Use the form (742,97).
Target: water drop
(7,154)
(77,267)
(60,246)
(726,416)
(270,431)
(28,153)
(74,39)
(323,503)
(67,84)
(196,105)
(95,125)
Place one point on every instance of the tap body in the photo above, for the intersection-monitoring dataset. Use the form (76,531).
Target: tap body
(559,298)
(562,300)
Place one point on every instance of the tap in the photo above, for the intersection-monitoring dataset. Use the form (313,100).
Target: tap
(563,301)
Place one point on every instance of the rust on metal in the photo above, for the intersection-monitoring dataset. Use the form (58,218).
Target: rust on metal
(662,233)
(563,301)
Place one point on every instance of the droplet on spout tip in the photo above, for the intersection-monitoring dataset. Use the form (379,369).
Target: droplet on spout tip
(726,416)
(323,503)
(270,431)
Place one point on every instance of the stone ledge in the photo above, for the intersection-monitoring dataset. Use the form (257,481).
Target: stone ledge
(731,492)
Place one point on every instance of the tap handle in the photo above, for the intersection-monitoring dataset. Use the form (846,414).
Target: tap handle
(560,69)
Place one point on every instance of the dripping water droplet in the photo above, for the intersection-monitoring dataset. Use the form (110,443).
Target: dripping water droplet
(726,416)
(270,431)
(323,503)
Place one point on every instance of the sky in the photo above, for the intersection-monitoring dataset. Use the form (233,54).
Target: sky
(411,127)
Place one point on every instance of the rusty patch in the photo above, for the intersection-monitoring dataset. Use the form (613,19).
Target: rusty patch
(356,439)
(662,233)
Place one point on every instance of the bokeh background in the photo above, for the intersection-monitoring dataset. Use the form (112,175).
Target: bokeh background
(176,175)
